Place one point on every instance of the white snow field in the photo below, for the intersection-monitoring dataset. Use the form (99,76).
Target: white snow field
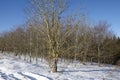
(13,68)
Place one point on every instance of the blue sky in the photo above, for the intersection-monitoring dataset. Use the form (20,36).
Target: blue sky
(108,10)
(12,14)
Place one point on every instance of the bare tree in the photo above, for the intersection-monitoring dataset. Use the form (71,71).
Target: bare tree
(101,32)
(49,13)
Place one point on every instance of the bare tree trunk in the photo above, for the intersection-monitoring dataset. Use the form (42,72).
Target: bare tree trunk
(54,67)
(30,45)
(98,56)
(84,58)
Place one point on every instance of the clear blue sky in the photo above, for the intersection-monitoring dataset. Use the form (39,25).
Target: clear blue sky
(12,14)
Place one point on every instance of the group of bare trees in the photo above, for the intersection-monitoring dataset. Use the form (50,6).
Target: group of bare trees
(47,35)
(68,43)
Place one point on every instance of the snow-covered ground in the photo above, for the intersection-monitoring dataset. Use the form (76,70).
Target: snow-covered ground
(13,68)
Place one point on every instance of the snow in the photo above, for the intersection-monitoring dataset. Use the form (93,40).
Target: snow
(13,68)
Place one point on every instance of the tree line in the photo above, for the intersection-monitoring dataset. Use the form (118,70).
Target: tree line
(50,36)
